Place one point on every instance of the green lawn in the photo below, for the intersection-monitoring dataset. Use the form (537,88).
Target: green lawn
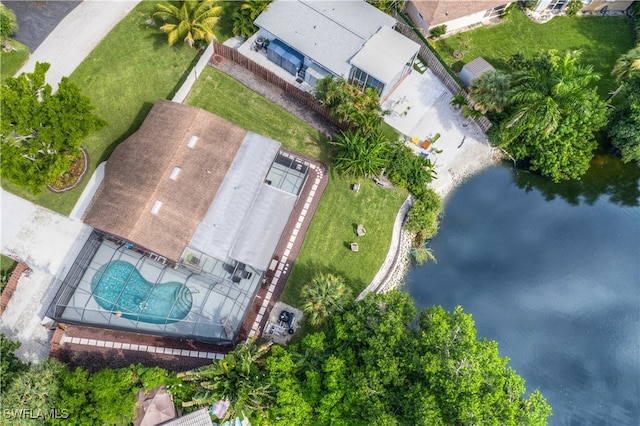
(124,75)
(222,95)
(11,62)
(601,39)
(7,265)
(326,247)
(333,227)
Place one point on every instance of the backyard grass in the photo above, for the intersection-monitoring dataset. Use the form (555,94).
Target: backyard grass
(7,265)
(124,75)
(222,95)
(333,228)
(326,247)
(11,62)
(602,40)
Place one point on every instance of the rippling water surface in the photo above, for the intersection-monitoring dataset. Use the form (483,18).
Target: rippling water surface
(552,272)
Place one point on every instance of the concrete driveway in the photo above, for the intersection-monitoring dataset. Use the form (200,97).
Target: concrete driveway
(48,242)
(76,36)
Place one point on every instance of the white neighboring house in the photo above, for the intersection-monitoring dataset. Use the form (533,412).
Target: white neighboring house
(456,15)
(351,39)
(603,6)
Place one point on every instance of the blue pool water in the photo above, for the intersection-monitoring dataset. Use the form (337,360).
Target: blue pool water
(120,288)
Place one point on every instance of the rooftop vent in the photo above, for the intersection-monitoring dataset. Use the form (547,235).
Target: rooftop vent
(156,207)
(192,142)
(175,173)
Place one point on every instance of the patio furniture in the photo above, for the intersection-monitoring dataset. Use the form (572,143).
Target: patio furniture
(361,231)
(355,187)
(354,246)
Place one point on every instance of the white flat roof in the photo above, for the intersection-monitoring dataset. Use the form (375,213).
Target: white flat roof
(385,54)
(328,32)
(241,220)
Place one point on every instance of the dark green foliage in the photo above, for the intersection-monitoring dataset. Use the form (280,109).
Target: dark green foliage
(323,297)
(388,6)
(8,22)
(361,154)
(40,130)
(350,105)
(408,170)
(11,365)
(624,125)
(36,389)
(371,366)
(238,377)
(424,216)
(573,7)
(438,31)
(550,115)
(244,16)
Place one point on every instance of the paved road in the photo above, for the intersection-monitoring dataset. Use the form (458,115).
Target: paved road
(76,36)
(36,19)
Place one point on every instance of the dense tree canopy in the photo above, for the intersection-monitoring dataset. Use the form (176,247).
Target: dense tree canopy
(324,297)
(8,22)
(624,127)
(40,131)
(372,367)
(550,115)
(244,16)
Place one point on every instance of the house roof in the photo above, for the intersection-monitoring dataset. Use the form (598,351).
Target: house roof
(328,32)
(137,176)
(436,12)
(197,418)
(385,54)
(245,207)
(154,407)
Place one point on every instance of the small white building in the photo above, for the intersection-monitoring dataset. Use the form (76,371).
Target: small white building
(473,70)
(351,39)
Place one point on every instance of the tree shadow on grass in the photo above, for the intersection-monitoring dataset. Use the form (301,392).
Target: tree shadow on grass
(135,125)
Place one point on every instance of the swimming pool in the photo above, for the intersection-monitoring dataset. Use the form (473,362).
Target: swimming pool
(119,288)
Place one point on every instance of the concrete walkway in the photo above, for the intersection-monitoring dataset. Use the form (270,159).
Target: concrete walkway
(76,36)
(47,242)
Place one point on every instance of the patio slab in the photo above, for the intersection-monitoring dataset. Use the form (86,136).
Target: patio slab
(421,108)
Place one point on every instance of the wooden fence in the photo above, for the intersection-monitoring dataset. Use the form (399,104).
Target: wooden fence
(437,67)
(270,77)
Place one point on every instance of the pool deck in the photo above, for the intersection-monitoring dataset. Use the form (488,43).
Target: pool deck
(78,345)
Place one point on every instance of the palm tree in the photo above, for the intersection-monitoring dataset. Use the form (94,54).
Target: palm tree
(625,65)
(324,296)
(543,94)
(361,153)
(237,378)
(489,91)
(245,15)
(192,22)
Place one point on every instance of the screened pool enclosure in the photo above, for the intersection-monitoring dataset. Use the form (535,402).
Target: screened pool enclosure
(117,285)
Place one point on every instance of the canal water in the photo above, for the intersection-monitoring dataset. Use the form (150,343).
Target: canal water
(552,273)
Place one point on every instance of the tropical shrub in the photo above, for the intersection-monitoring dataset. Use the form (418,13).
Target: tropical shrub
(573,7)
(325,296)
(438,31)
(360,154)
(244,16)
(408,170)
(8,22)
(423,218)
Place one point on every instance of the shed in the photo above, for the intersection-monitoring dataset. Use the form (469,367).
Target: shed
(474,69)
